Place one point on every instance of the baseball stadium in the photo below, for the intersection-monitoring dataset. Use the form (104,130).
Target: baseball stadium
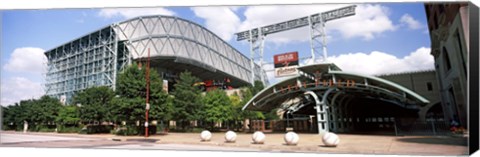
(175,45)
(318,98)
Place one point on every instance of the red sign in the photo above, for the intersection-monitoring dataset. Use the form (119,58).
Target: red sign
(286,64)
(286,58)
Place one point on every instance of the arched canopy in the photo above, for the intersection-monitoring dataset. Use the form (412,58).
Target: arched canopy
(321,77)
(181,44)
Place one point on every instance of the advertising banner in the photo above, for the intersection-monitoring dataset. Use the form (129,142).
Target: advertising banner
(286,64)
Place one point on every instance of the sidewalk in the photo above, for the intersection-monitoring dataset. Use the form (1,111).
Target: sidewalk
(349,143)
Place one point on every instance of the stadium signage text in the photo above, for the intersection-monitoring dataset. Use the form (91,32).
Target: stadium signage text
(299,22)
(318,83)
(285,71)
(286,64)
(335,14)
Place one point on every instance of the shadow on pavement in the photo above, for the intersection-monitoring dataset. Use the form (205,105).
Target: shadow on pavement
(144,140)
(455,141)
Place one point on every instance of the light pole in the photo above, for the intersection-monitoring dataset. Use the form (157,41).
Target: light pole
(147,105)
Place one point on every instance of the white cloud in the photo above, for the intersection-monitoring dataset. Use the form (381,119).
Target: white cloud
(377,63)
(220,20)
(408,20)
(27,60)
(369,22)
(269,70)
(19,88)
(133,12)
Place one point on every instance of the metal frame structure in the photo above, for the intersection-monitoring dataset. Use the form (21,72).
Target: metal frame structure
(91,60)
(96,58)
(318,40)
(316,23)
(256,56)
(331,98)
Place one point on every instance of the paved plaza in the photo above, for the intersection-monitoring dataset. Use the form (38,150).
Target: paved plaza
(309,143)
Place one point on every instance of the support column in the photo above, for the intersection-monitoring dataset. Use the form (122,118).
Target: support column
(256,48)
(322,127)
(322,113)
(334,113)
(318,39)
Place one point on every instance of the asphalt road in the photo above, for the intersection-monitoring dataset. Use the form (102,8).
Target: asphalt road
(55,141)
(350,143)
(10,138)
(179,147)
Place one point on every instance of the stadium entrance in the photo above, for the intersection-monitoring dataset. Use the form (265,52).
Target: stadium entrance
(328,99)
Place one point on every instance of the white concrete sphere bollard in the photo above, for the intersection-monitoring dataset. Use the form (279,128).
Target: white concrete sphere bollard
(230,136)
(206,135)
(330,139)
(258,137)
(291,138)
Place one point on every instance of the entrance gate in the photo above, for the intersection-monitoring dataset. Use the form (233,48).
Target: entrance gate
(324,91)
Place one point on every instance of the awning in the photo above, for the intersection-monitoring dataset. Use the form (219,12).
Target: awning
(321,77)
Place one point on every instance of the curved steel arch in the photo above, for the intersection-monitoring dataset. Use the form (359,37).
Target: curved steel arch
(389,83)
(377,86)
(177,37)
(330,114)
(95,58)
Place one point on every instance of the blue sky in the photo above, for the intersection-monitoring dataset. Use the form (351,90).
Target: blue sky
(382,38)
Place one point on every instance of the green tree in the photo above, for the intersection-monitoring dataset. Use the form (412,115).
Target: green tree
(236,106)
(38,113)
(95,104)
(271,115)
(237,113)
(131,101)
(245,114)
(15,115)
(217,107)
(7,118)
(129,109)
(187,99)
(25,112)
(44,110)
(68,115)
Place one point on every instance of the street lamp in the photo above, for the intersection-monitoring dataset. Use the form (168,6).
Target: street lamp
(147,105)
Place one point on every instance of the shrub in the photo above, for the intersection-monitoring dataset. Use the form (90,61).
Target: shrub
(68,129)
(135,130)
(46,130)
(41,128)
(9,127)
(126,131)
(93,129)
(152,130)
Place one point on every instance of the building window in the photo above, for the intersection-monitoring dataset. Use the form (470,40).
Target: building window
(448,66)
(429,86)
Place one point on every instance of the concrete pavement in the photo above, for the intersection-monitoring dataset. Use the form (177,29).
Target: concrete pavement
(349,143)
(22,138)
